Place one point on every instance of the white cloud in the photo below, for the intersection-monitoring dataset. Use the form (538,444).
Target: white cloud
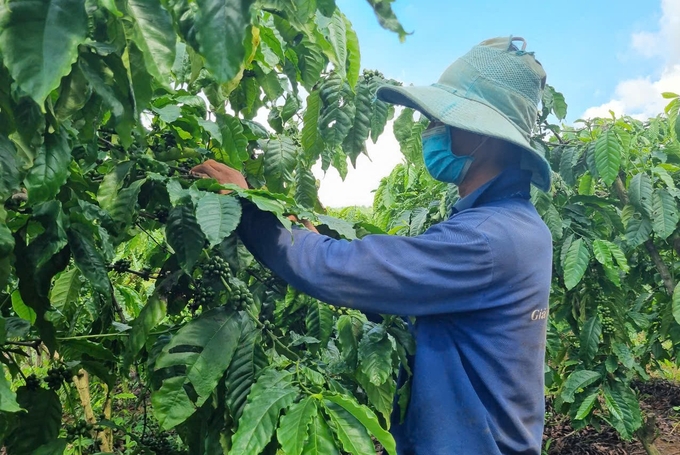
(641,97)
(358,186)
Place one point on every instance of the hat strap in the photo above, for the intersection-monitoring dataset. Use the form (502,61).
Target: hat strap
(517,38)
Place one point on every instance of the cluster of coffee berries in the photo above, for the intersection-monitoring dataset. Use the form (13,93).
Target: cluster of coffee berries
(56,376)
(121,266)
(32,382)
(217,268)
(240,296)
(607,320)
(371,74)
(339,310)
(79,429)
(203,295)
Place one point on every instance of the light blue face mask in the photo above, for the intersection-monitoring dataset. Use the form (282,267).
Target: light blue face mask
(440,161)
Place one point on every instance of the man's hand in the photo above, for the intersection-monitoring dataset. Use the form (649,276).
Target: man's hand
(224,174)
(220,172)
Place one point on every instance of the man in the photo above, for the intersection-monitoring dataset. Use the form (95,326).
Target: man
(478,283)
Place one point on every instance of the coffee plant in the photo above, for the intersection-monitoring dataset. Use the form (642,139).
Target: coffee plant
(613,213)
(121,274)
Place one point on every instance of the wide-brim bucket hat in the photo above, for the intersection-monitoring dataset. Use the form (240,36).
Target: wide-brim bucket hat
(493,90)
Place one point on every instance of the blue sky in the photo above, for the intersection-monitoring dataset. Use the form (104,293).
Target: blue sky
(602,54)
(584,45)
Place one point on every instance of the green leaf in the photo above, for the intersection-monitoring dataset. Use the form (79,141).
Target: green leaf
(348,340)
(6,239)
(386,17)
(305,188)
(368,419)
(342,227)
(151,315)
(39,42)
(39,425)
(590,338)
(608,156)
(586,406)
(249,359)
(319,321)
(125,204)
(337,37)
(353,54)
(575,263)
(379,397)
(638,231)
(311,63)
(559,106)
(66,288)
(184,235)
(618,255)
(155,37)
(375,355)
(73,350)
(553,220)
(113,181)
(50,169)
(568,160)
(21,309)
(261,412)
(218,215)
(577,380)
(602,253)
(8,399)
(9,172)
(352,435)
(355,142)
(624,407)
(203,348)
(221,30)
(292,433)
(337,111)
(169,113)
(380,113)
(624,354)
(664,213)
(311,137)
(73,94)
(109,80)
(676,303)
(279,162)
(320,439)
(234,141)
(640,193)
(88,259)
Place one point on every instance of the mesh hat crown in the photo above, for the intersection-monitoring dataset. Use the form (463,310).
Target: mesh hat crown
(493,90)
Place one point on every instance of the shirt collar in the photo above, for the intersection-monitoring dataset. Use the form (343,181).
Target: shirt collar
(509,183)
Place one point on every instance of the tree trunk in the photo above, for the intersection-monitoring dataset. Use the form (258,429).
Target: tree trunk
(82,383)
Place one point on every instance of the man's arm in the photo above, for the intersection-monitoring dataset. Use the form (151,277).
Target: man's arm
(433,273)
(379,273)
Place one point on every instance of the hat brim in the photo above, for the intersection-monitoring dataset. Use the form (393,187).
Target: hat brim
(470,115)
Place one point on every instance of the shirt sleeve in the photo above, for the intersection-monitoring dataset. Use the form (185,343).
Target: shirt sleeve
(436,272)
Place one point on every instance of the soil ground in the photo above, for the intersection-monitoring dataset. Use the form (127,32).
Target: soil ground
(658,400)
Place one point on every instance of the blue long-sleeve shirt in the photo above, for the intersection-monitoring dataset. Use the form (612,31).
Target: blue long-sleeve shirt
(478,284)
